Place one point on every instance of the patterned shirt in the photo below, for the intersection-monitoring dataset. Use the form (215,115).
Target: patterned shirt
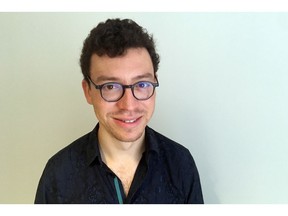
(166,174)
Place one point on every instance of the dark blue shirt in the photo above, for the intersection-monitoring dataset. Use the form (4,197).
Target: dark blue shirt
(166,174)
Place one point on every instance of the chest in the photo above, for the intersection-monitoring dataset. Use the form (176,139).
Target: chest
(144,186)
(126,174)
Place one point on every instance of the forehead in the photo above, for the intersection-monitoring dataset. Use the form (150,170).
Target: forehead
(136,62)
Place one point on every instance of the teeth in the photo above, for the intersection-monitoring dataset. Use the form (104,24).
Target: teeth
(129,121)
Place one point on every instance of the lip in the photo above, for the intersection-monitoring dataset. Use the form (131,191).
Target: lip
(128,122)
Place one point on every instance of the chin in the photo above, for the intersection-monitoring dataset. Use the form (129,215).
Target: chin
(129,138)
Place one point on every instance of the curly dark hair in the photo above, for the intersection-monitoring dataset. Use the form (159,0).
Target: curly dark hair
(113,38)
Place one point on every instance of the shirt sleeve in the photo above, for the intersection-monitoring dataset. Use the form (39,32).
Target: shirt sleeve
(46,191)
(40,197)
(194,195)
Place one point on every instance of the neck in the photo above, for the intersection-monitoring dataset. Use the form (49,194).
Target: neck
(114,150)
(121,157)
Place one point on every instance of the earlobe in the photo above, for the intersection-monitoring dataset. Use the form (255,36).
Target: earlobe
(87,91)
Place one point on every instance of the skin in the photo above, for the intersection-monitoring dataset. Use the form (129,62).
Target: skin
(122,123)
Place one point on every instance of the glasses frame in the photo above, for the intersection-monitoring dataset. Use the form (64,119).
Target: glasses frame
(124,87)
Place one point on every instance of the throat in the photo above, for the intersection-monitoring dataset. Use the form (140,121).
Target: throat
(122,158)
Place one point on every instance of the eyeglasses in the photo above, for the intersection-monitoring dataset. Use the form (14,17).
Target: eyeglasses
(113,91)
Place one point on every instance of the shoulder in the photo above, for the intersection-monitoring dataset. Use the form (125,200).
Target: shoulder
(167,147)
(175,160)
(75,148)
(69,156)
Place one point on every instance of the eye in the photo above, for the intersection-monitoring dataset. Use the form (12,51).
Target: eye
(111,87)
(143,85)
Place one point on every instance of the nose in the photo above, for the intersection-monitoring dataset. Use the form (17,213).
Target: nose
(128,101)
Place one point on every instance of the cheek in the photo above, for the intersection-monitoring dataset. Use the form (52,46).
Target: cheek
(99,113)
(97,105)
(150,106)
(102,108)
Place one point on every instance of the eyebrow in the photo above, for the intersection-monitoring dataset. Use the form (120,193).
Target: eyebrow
(104,78)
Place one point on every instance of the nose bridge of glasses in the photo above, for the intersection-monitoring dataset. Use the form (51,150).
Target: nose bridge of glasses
(124,87)
(127,86)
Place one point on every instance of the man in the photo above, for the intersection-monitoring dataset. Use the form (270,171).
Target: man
(122,160)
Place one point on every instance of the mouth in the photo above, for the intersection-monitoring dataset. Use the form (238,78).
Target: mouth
(128,121)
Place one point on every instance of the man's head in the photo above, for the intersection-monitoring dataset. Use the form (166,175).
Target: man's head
(113,38)
(119,60)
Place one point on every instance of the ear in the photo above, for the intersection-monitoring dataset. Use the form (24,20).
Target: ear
(87,91)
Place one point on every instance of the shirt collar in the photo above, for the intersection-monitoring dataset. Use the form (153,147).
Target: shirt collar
(92,151)
(152,143)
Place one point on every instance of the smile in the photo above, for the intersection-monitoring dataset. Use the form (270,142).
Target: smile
(129,121)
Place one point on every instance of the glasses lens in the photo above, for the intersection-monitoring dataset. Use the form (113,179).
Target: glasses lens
(112,91)
(143,90)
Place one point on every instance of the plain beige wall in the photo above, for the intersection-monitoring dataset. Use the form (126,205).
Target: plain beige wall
(223,94)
